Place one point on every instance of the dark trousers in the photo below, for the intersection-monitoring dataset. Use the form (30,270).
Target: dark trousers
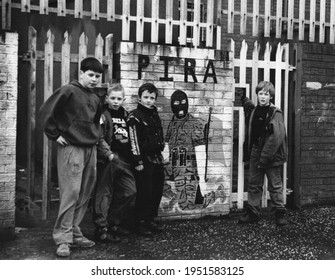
(115,194)
(149,184)
(256,181)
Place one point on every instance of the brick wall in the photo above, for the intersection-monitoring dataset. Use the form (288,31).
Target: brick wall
(180,198)
(8,112)
(317,126)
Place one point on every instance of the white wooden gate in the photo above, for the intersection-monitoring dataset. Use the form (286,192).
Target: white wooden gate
(281,67)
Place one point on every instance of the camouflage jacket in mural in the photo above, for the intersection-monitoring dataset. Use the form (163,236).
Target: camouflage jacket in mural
(272,144)
(188,131)
(146,135)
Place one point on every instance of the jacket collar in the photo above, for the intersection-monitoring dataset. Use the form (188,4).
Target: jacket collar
(150,111)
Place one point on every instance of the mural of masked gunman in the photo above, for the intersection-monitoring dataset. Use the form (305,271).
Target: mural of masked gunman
(187,153)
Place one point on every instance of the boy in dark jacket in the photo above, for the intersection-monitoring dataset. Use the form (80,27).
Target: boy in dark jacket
(266,145)
(71,118)
(147,143)
(116,191)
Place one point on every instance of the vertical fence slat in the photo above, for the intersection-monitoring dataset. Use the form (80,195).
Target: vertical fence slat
(95,7)
(278,75)
(332,22)
(139,20)
(44,7)
(312,12)
(218,24)
(61,8)
(286,48)
(111,10)
(31,112)
(82,52)
(99,48)
(290,17)
(154,21)
(47,145)
(267,20)
(230,16)
(243,62)
(78,9)
(210,22)
(267,56)
(182,24)
(66,54)
(240,178)
(255,18)
(109,54)
(6,14)
(254,80)
(243,17)
(125,20)
(25,6)
(196,21)
(231,49)
(279,17)
(168,22)
(264,200)
(301,20)
(322,21)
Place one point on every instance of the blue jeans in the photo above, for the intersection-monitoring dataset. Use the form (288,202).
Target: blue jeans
(256,181)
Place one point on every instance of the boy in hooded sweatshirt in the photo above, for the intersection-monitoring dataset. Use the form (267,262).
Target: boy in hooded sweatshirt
(71,118)
(116,190)
(266,150)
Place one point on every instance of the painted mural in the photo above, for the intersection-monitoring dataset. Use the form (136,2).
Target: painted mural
(187,187)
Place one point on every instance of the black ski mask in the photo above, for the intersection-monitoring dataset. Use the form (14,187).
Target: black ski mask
(179,104)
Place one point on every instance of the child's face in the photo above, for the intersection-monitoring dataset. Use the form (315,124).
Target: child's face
(115,99)
(148,99)
(263,98)
(89,79)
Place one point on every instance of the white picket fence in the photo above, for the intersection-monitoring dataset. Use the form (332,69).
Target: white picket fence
(282,68)
(215,17)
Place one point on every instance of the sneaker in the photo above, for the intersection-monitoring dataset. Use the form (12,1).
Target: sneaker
(248,218)
(82,242)
(119,230)
(280,218)
(63,250)
(102,235)
(154,227)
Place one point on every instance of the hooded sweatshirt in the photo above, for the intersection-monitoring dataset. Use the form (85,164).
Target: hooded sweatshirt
(72,112)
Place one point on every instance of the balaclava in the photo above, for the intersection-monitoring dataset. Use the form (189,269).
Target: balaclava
(179,104)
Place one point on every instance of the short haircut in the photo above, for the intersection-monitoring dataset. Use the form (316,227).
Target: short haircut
(115,87)
(267,86)
(149,87)
(91,63)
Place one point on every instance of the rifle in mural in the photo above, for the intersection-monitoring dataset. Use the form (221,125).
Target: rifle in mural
(206,134)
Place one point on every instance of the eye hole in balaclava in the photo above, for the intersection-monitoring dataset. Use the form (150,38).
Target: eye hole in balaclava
(179,104)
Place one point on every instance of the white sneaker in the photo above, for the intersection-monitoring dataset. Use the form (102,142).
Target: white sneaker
(82,242)
(63,250)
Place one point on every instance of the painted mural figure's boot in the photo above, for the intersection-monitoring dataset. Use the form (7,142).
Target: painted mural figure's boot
(280,218)
(248,218)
